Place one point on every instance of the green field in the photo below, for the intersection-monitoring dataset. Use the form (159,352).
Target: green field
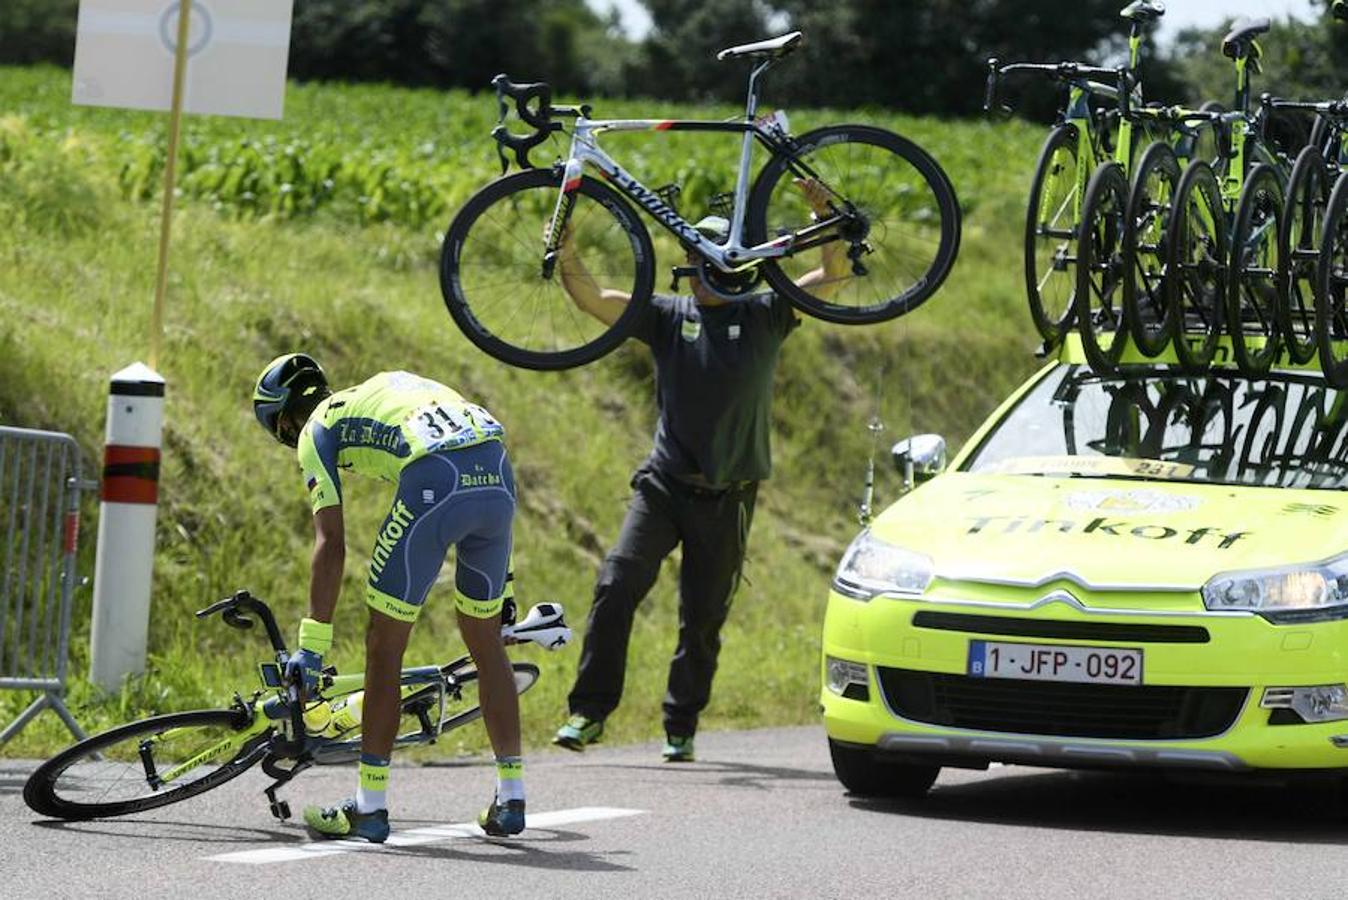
(322,232)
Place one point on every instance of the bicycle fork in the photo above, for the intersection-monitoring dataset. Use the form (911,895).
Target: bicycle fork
(561,215)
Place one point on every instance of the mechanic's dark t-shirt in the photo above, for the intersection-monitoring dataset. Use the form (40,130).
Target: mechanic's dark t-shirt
(714,367)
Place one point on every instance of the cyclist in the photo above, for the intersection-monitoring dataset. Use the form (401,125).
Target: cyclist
(714,361)
(454,486)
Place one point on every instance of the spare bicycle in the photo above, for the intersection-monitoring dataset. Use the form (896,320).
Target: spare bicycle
(169,758)
(891,210)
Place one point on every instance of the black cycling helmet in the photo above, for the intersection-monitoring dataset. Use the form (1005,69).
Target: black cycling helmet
(286,393)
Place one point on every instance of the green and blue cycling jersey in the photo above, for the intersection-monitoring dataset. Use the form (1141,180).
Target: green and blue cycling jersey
(454,483)
(380,426)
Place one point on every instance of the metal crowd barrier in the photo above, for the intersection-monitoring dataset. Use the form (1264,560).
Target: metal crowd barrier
(41,482)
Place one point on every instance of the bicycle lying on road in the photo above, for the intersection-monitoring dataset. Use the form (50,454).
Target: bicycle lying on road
(168,758)
(891,208)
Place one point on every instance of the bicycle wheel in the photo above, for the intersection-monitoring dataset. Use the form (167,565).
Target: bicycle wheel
(1252,295)
(512,306)
(1150,204)
(1051,235)
(422,708)
(117,772)
(1196,255)
(1331,289)
(897,248)
(1299,239)
(1101,267)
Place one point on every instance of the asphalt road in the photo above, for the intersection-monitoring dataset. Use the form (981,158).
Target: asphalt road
(760,815)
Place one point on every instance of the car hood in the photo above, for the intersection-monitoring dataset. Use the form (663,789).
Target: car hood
(1110,532)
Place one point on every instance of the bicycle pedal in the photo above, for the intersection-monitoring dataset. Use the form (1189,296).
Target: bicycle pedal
(280,809)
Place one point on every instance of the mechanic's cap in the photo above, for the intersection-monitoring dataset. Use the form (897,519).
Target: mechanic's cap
(715,227)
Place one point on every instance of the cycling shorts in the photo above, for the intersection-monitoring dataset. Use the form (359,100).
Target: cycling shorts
(463,498)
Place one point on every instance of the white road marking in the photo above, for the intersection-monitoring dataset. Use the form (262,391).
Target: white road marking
(416,836)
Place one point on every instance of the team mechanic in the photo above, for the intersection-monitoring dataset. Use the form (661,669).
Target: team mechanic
(455,486)
(714,361)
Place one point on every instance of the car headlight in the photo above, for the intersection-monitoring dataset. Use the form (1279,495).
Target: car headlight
(1290,594)
(871,566)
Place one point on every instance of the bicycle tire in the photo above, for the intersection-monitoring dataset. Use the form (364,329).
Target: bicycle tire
(1331,289)
(1101,269)
(524,238)
(1050,173)
(1299,240)
(939,197)
(46,793)
(1150,205)
(1196,257)
(1253,267)
(526,676)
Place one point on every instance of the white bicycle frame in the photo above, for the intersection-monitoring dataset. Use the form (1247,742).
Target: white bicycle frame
(729,257)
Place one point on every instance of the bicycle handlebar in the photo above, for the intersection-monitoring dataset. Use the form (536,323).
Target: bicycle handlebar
(533,105)
(1063,71)
(1338,108)
(235,618)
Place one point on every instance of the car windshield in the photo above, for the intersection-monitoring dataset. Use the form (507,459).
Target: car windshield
(1285,431)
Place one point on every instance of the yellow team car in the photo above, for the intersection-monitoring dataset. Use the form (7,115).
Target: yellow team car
(1138,571)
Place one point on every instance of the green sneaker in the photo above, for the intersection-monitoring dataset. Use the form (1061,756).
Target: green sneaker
(579,731)
(678,749)
(343,821)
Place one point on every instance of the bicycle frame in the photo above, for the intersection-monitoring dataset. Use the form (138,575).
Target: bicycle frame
(732,256)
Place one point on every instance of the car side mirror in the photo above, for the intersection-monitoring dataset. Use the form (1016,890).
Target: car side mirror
(919,458)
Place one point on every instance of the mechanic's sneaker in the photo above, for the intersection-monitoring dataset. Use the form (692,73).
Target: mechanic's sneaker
(343,822)
(578,731)
(678,749)
(502,819)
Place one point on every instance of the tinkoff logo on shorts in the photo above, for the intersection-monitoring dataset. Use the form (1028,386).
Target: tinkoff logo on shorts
(389,535)
(691,330)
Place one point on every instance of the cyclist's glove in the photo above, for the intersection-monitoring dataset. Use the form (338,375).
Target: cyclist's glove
(305,667)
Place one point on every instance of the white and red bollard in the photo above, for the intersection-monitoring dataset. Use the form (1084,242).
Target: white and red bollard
(126,522)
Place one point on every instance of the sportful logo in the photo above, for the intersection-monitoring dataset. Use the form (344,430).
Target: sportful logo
(393,530)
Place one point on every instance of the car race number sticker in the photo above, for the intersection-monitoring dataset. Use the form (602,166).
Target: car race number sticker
(1090,465)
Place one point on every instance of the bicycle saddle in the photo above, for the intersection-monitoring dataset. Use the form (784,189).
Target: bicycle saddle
(1242,35)
(1143,10)
(545,625)
(773,47)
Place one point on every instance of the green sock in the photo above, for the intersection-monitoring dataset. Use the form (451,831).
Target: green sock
(371,795)
(509,778)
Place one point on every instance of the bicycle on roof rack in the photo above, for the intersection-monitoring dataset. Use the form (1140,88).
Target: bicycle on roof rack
(891,210)
(169,758)
(1101,121)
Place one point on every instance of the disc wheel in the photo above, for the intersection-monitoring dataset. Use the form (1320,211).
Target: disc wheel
(1150,205)
(512,303)
(898,239)
(132,768)
(1051,235)
(1331,289)
(1196,256)
(422,708)
(1101,267)
(1252,295)
(1299,239)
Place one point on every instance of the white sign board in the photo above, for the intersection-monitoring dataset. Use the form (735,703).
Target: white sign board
(237,54)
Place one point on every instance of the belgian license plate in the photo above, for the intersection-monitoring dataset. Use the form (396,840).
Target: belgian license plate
(1055,662)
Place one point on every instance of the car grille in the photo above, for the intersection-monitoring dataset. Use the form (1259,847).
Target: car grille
(1146,712)
(1140,633)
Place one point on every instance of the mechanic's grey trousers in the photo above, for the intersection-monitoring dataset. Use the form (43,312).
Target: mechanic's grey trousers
(713,527)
